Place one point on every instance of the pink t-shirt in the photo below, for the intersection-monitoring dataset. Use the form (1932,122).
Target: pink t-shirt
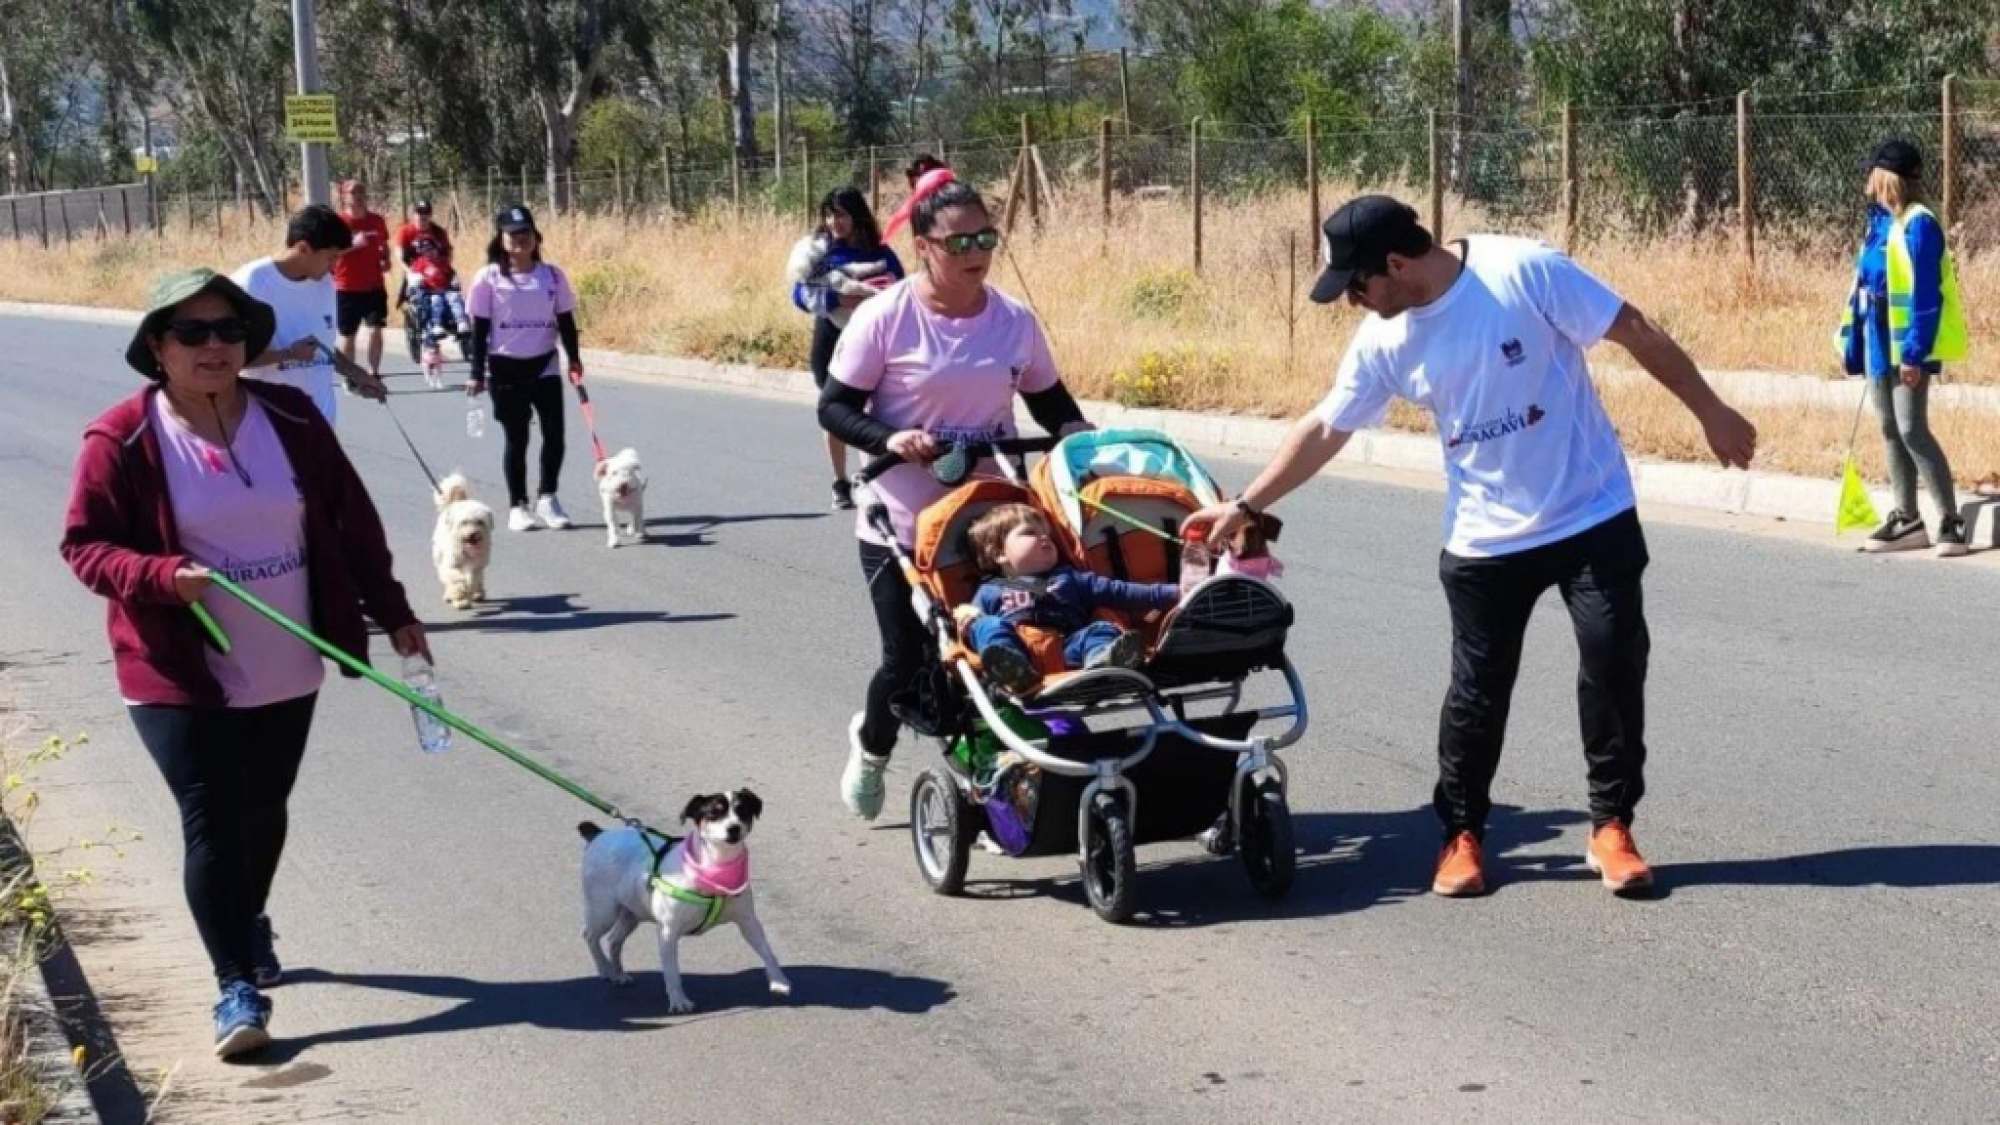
(953,377)
(256,536)
(523,308)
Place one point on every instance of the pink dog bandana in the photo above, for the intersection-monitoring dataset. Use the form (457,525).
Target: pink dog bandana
(726,878)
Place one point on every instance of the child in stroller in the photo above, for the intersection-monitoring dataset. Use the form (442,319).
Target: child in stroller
(436,310)
(1031,590)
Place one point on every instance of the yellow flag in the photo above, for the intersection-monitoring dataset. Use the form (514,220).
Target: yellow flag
(1856,510)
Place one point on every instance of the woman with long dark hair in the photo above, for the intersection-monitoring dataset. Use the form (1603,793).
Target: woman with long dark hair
(832,270)
(520,307)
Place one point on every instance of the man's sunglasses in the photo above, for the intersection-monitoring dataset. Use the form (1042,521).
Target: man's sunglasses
(195,333)
(1358,284)
(960,244)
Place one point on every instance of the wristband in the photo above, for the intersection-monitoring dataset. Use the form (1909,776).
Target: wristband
(1243,506)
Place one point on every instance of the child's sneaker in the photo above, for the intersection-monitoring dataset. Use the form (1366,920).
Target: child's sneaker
(1009,667)
(1126,651)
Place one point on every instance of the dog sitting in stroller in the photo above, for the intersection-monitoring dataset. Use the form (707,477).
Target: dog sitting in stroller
(1147,700)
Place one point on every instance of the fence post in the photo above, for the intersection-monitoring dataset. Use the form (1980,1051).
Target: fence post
(42,227)
(14,218)
(806,177)
(1312,171)
(523,197)
(1028,180)
(103,224)
(491,206)
(1569,177)
(1104,173)
(1746,184)
(1948,193)
(736,186)
(62,205)
(667,170)
(1124,92)
(1194,184)
(874,181)
(1437,178)
(618,184)
(217,201)
(124,208)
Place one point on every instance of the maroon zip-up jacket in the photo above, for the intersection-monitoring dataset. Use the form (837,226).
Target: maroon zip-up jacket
(119,539)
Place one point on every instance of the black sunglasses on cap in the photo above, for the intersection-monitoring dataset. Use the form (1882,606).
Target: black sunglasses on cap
(961,244)
(194,333)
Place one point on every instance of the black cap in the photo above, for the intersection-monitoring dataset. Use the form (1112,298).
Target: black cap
(513,217)
(1358,238)
(421,206)
(1898,156)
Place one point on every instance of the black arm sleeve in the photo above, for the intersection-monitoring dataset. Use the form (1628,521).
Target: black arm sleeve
(566,328)
(843,412)
(1052,409)
(482,328)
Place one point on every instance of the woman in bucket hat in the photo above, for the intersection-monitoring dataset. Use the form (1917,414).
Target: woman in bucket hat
(205,471)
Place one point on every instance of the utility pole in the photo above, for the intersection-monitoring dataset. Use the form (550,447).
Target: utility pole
(1461,81)
(305,61)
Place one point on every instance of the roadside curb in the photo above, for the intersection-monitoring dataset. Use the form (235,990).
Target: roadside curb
(60,1014)
(1776,496)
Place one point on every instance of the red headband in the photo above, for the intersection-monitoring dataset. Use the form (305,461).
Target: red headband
(929,184)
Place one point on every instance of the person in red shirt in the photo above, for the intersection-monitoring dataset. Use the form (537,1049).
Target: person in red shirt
(422,237)
(360,276)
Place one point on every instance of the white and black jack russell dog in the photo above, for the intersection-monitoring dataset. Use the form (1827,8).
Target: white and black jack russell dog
(688,886)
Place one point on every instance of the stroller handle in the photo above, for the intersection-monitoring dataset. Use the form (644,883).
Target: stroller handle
(1002,447)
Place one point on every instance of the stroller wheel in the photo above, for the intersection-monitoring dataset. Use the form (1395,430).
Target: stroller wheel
(942,828)
(1109,867)
(1264,839)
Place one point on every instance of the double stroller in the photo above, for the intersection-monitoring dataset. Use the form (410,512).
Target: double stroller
(1098,761)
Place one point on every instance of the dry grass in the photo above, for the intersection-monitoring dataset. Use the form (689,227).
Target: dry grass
(1130,319)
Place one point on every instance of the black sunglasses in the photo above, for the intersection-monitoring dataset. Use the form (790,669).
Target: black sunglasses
(1358,284)
(195,333)
(961,244)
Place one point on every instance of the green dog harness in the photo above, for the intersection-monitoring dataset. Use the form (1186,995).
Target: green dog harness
(711,904)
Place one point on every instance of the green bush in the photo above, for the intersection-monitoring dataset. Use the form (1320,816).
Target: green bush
(1163,294)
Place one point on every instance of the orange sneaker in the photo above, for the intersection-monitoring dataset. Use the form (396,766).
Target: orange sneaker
(1616,859)
(1461,868)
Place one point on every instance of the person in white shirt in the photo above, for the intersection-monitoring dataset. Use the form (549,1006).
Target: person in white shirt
(295,283)
(1488,334)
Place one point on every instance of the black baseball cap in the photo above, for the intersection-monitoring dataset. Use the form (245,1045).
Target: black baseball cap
(1358,238)
(421,206)
(513,217)
(1898,156)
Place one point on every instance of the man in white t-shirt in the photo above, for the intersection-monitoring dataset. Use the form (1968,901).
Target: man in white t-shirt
(1488,334)
(295,283)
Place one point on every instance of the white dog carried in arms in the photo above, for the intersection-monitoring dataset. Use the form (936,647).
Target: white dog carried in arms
(621,484)
(462,542)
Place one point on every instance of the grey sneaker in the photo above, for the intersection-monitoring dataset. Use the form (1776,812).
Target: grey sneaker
(1951,537)
(861,784)
(1899,532)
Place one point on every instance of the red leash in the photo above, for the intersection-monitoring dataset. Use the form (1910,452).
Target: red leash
(589,413)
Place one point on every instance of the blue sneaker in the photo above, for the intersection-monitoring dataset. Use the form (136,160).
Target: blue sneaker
(240,1018)
(265,971)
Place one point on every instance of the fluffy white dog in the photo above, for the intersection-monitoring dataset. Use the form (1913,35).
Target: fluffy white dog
(621,484)
(462,542)
(688,886)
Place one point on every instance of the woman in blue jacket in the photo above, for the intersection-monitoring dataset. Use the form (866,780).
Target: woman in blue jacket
(1903,324)
(832,271)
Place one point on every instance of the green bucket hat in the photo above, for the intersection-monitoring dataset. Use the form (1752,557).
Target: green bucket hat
(169,291)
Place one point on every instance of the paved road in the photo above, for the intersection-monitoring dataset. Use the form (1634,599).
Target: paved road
(1821,812)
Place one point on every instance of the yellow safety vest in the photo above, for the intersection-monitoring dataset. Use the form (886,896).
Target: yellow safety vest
(1951,344)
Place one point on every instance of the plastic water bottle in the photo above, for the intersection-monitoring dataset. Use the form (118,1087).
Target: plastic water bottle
(475,422)
(1196,563)
(418,676)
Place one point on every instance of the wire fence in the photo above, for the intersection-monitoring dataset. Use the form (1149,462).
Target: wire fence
(1772,170)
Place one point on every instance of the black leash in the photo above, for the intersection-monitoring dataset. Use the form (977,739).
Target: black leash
(413,448)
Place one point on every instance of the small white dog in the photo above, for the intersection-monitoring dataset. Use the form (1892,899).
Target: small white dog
(462,542)
(621,484)
(688,886)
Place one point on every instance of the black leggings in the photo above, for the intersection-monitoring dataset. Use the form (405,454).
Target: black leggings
(516,402)
(902,646)
(231,772)
(826,334)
